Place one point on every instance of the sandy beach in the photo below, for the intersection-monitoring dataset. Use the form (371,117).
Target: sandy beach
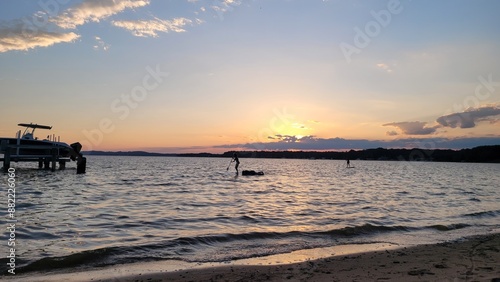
(472,259)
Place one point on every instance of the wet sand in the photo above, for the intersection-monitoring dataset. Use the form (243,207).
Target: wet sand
(472,259)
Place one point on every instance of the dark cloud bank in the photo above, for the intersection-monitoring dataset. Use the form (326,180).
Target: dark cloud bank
(312,143)
(466,119)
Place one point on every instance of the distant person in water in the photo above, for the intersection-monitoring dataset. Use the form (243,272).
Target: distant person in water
(237,161)
(348,163)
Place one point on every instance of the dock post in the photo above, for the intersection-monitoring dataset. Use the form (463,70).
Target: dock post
(81,165)
(40,163)
(6,160)
(46,163)
(62,165)
(54,154)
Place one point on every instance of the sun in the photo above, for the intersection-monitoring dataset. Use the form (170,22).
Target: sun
(295,131)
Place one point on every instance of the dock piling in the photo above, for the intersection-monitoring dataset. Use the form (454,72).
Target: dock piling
(81,165)
(6,160)
(54,157)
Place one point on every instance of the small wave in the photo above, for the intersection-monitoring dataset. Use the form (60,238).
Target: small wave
(250,219)
(36,235)
(450,227)
(132,180)
(220,247)
(165,184)
(23,205)
(92,257)
(436,194)
(366,229)
(483,214)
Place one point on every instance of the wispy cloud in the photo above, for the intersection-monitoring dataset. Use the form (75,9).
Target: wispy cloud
(225,5)
(45,29)
(384,67)
(290,138)
(100,44)
(60,24)
(15,36)
(94,11)
(150,28)
(221,7)
(25,34)
(412,128)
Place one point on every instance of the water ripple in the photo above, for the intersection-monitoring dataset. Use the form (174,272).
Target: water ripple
(194,209)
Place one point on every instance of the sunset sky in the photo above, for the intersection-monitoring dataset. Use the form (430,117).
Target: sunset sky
(220,75)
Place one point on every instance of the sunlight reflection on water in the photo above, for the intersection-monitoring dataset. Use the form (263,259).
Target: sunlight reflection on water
(134,202)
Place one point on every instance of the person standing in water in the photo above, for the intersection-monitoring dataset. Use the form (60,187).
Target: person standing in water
(348,163)
(237,161)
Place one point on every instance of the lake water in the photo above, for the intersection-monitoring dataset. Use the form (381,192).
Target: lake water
(129,209)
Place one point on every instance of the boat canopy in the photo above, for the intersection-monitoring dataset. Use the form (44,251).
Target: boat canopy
(31,125)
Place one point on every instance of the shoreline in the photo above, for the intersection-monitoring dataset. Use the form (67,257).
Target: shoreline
(475,258)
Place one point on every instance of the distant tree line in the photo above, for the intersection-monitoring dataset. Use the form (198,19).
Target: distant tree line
(477,154)
(490,154)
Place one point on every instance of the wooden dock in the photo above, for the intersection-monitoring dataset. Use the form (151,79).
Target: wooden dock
(46,161)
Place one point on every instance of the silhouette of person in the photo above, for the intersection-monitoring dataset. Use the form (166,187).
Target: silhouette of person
(348,163)
(237,161)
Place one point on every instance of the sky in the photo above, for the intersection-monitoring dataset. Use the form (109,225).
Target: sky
(219,75)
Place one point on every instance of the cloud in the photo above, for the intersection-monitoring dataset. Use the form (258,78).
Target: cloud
(412,128)
(332,144)
(306,143)
(144,28)
(16,36)
(312,143)
(100,44)
(384,67)
(45,29)
(94,11)
(470,117)
(51,25)
(290,138)
(224,6)
(466,119)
